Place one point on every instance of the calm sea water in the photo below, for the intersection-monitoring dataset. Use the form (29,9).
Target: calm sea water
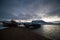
(1,27)
(49,31)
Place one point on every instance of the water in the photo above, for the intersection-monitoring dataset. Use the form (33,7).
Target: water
(49,31)
(1,27)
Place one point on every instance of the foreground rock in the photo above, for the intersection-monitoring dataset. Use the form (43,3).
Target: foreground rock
(15,33)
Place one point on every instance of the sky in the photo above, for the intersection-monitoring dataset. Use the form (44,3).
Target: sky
(47,10)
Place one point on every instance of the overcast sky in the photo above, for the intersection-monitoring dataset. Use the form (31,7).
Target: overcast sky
(30,9)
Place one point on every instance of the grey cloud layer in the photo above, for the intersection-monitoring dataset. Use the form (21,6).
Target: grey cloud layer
(29,9)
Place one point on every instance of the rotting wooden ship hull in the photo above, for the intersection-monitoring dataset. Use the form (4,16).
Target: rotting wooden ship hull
(14,24)
(32,25)
(5,24)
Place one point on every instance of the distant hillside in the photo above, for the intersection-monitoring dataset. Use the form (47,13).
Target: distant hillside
(57,21)
(47,23)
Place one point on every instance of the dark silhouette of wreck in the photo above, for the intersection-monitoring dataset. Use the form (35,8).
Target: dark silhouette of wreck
(10,24)
(27,25)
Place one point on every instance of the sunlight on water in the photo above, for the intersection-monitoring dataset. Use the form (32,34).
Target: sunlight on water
(49,31)
(51,28)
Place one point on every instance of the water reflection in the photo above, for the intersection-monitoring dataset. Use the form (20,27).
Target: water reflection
(50,31)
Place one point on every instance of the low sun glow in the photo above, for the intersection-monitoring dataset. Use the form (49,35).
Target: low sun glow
(23,20)
(51,19)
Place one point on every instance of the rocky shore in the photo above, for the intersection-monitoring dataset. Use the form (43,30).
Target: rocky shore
(15,33)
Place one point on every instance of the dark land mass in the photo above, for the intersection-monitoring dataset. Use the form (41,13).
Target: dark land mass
(16,33)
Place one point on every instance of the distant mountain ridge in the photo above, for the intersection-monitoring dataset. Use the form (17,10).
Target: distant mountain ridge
(57,21)
(38,22)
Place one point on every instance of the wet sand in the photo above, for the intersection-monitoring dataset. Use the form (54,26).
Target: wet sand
(15,33)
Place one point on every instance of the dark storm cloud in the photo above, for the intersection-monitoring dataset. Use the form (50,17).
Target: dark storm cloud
(55,12)
(29,9)
(55,8)
(23,9)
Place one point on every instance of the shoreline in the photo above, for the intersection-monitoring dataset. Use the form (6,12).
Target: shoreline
(16,33)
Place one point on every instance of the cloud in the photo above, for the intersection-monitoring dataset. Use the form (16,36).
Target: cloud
(29,9)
